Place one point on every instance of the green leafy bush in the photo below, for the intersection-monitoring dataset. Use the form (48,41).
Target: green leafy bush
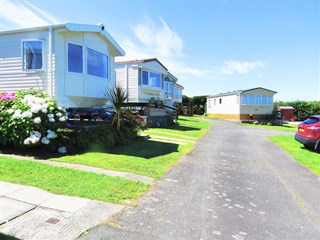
(29,118)
(82,139)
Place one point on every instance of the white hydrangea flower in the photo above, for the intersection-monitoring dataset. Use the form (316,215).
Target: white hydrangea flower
(51,120)
(35,109)
(50,115)
(17,114)
(37,134)
(59,114)
(26,114)
(44,110)
(37,120)
(27,141)
(34,139)
(10,111)
(62,119)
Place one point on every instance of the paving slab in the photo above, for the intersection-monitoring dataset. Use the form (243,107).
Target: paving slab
(31,195)
(11,208)
(65,203)
(6,188)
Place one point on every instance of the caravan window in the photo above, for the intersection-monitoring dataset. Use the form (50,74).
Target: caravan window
(97,64)
(75,58)
(168,89)
(151,79)
(32,54)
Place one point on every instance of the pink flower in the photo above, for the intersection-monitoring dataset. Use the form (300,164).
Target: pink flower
(4,96)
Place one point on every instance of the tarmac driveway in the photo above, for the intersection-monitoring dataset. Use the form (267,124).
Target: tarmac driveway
(235,184)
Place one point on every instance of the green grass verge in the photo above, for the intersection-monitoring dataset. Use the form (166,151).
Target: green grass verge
(304,156)
(70,182)
(285,127)
(149,158)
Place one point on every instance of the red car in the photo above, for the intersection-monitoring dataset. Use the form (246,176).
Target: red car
(309,133)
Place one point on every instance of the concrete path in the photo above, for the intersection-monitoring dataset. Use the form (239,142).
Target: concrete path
(31,213)
(235,184)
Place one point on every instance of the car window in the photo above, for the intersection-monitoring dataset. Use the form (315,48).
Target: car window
(311,120)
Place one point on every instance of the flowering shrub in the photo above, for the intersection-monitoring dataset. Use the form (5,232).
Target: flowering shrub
(29,118)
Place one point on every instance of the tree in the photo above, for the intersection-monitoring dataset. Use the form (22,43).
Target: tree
(199,103)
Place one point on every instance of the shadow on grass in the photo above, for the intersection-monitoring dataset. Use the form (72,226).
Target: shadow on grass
(139,148)
(146,149)
(182,128)
(7,237)
(32,152)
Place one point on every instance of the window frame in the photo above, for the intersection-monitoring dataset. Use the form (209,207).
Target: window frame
(23,55)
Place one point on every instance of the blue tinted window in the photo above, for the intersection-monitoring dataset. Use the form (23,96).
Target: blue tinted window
(32,55)
(155,79)
(97,64)
(258,99)
(269,100)
(75,58)
(244,100)
(251,99)
(145,78)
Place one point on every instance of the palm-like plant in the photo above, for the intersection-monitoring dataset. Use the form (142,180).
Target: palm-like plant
(118,97)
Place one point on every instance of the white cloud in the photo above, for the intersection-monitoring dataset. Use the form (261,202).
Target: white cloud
(231,67)
(23,14)
(159,41)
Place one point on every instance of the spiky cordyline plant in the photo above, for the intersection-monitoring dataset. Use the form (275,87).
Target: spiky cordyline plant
(118,97)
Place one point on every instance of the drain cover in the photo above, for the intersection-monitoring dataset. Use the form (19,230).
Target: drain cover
(53,220)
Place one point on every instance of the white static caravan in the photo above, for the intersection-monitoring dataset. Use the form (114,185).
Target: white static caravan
(148,78)
(239,105)
(74,63)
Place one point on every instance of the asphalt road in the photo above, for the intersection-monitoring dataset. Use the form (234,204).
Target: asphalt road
(235,184)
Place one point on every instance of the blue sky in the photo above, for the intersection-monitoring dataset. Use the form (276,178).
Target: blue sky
(211,46)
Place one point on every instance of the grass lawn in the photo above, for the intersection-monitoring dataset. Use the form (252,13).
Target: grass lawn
(70,182)
(285,127)
(304,156)
(149,158)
